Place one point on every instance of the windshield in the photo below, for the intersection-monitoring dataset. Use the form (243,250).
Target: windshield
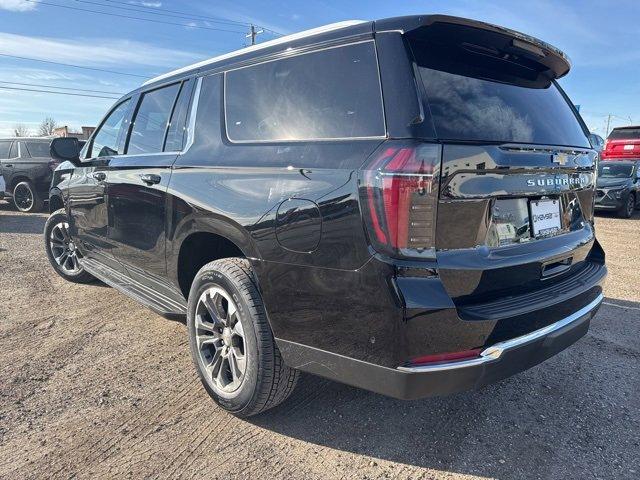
(615,170)
(474,98)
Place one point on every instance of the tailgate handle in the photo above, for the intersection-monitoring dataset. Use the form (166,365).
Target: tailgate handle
(556,268)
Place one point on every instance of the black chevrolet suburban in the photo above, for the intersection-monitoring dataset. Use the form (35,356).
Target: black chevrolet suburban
(403,205)
(25,171)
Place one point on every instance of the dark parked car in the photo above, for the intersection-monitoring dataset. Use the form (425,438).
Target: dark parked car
(61,174)
(618,187)
(26,167)
(403,205)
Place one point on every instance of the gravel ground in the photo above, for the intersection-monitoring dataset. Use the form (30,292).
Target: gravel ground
(94,385)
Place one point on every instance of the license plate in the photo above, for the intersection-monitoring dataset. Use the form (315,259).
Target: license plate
(545,217)
(628,147)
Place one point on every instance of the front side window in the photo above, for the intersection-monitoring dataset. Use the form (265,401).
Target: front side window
(329,94)
(38,149)
(151,120)
(105,141)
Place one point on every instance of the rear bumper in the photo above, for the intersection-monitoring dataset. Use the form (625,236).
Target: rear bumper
(496,362)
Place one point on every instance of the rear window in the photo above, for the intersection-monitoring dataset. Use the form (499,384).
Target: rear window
(38,149)
(329,94)
(624,134)
(477,98)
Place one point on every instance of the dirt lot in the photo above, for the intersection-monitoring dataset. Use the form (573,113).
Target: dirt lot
(94,385)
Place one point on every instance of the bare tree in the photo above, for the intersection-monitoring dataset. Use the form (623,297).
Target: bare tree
(46,127)
(21,130)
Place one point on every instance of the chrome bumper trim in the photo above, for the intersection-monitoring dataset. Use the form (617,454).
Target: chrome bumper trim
(493,353)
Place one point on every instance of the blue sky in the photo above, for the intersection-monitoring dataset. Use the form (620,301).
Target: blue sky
(602,41)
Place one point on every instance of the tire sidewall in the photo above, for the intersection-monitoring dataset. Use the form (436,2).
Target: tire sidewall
(235,401)
(52,221)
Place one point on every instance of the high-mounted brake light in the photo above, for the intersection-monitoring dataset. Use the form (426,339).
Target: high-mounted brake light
(399,192)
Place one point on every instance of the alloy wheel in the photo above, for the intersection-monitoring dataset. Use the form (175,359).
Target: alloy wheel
(23,197)
(220,340)
(63,249)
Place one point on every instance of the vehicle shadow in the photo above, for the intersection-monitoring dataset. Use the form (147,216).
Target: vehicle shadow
(542,423)
(607,214)
(22,223)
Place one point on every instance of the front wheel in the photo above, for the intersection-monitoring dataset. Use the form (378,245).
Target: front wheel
(26,198)
(627,209)
(231,342)
(61,249)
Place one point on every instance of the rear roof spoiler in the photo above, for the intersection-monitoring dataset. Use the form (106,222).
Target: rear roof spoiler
(555,61)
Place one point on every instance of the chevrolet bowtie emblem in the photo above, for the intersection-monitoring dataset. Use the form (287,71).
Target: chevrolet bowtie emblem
(560,158)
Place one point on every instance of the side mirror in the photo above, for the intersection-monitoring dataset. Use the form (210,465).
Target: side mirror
(65,149)
(595,141)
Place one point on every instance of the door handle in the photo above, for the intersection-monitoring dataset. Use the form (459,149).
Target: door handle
(9,165)
(150,178)
(100,176)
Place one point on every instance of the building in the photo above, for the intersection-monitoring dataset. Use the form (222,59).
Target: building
(65,132)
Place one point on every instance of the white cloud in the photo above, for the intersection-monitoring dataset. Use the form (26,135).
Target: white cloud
(17,5)
(95,51)
(147,4)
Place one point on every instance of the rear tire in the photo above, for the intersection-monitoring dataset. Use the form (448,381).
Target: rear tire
(26,198)
(61,250)
(630,205)
(231,343)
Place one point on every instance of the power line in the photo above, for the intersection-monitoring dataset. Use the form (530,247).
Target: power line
(22,84)
(131,17)
(57,93)
(71,65)
(192,16)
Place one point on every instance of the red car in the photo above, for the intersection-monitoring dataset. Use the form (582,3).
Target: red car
(622,143)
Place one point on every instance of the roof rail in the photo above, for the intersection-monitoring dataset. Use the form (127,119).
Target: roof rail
(253,48)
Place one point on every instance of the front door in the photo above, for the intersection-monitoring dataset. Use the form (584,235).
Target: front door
(87,190)
(138,182)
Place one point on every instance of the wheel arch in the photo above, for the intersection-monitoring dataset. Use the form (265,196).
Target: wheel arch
(200,241)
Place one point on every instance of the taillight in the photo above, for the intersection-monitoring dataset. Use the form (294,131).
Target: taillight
(399,194)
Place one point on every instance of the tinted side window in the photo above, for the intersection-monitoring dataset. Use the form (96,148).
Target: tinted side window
(177,127)
(5,146)
(16,151)
(105,141)
(333,93)
(37,149)
(151,120)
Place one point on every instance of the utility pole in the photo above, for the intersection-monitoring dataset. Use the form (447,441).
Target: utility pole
(253,33)
(608,123)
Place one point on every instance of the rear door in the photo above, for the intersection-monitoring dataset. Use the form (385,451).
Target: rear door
(138,180)
(87,189)
(517,172)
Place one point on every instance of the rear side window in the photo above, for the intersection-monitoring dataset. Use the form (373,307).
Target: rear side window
(38,149)
(177,126)
(329,94)
(624,134)
(474,98)
(151,120)
(5,146)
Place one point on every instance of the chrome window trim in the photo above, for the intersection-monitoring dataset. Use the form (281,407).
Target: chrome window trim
(494,352)
(331,139)
(193,112)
